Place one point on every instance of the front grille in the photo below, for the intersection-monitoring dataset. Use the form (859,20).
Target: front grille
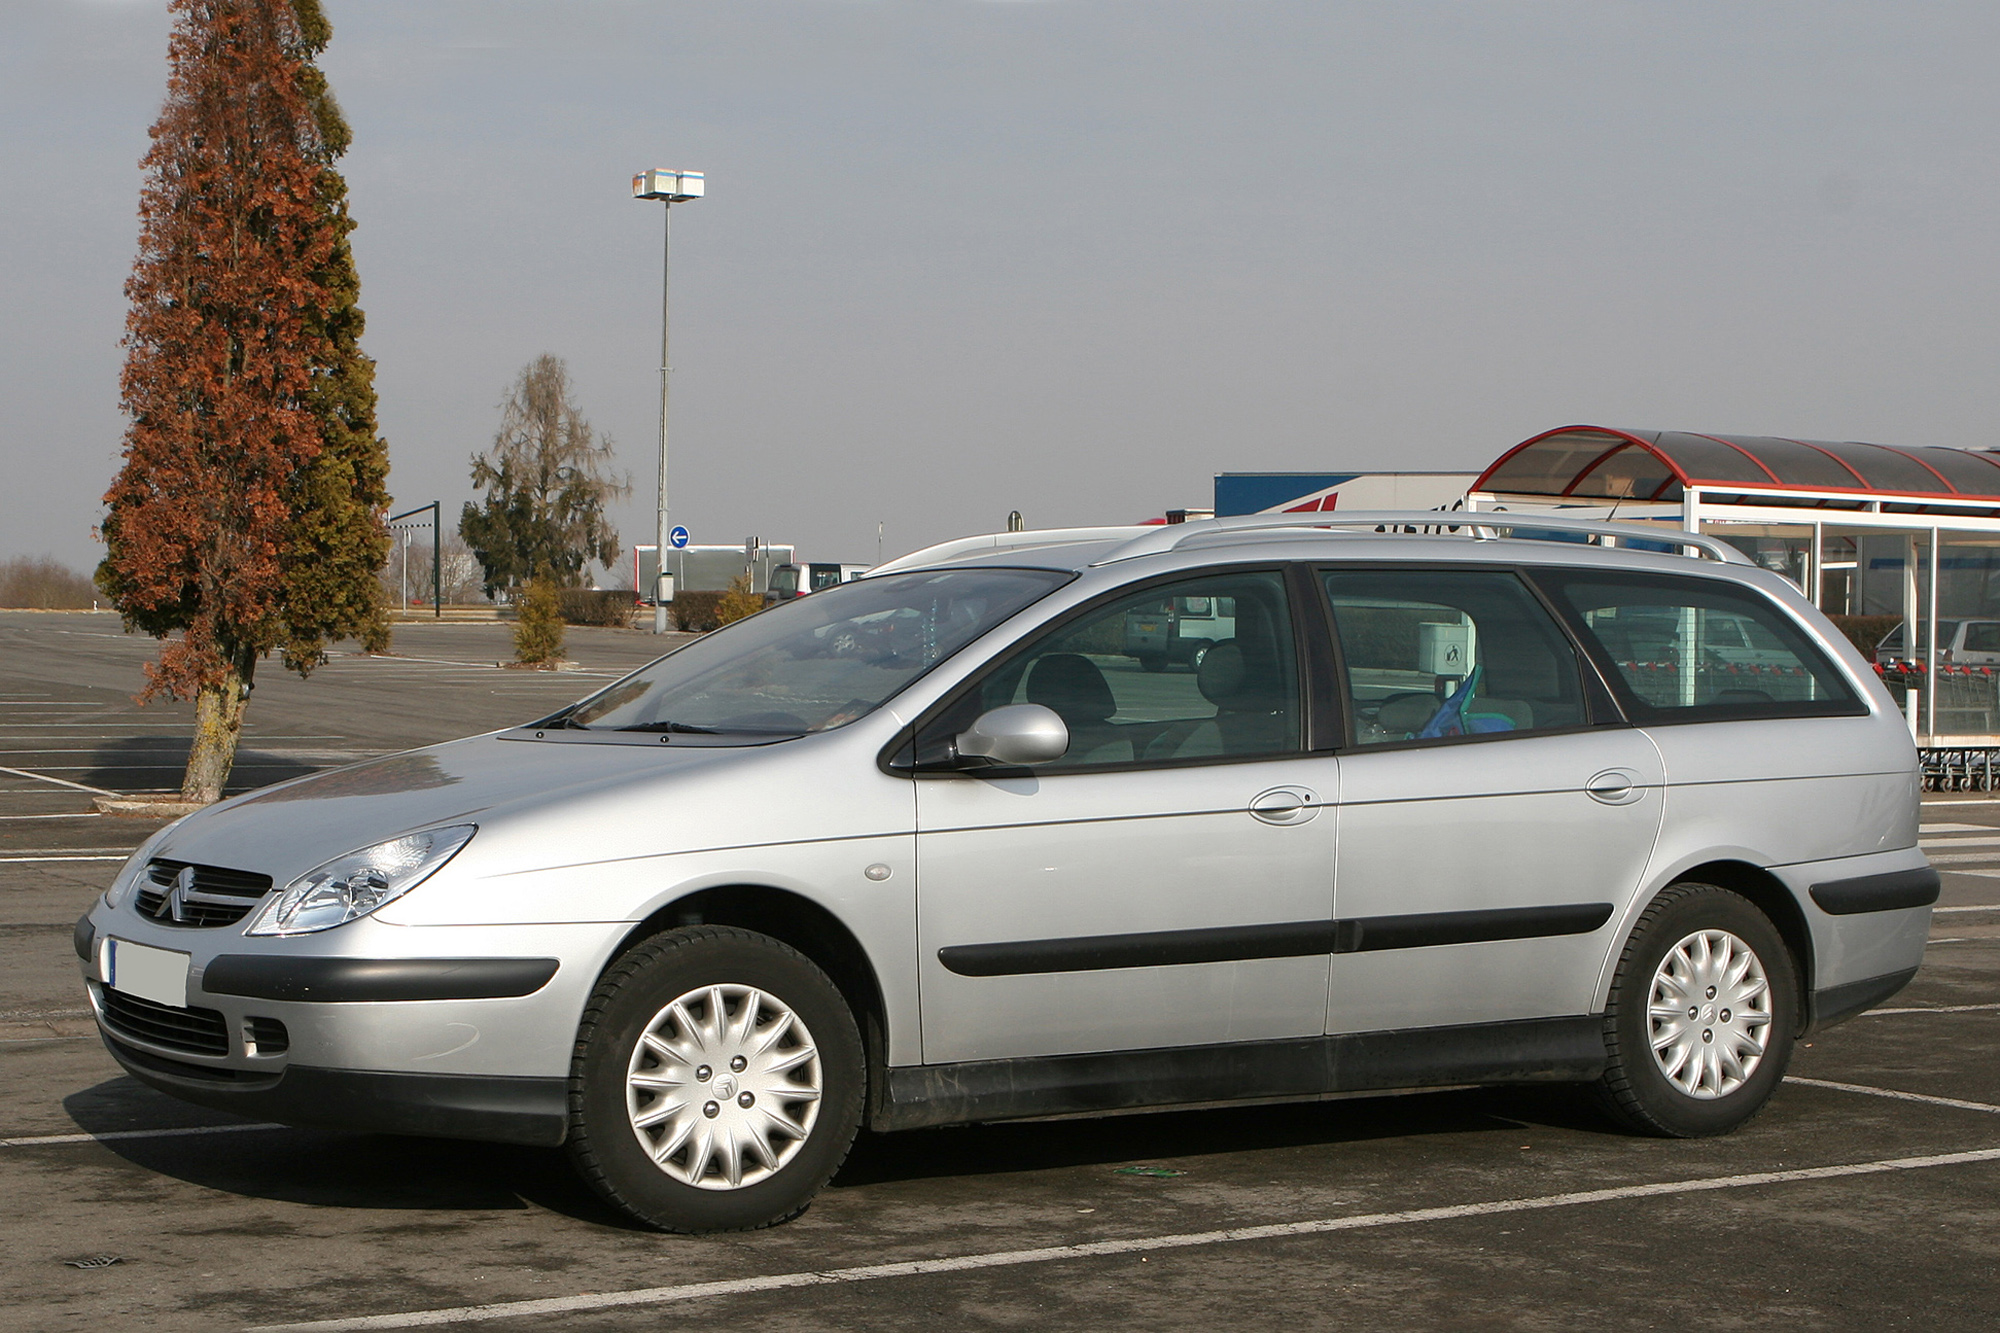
(195,1031)
(176,893)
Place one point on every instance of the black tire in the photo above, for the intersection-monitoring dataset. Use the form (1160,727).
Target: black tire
(1153,661)
(1635,1089)
(1199,654)
(632,995)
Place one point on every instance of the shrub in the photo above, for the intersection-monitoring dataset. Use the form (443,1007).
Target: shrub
(696,612)
(41,583)
(590,606)
(738,603)
(538,632)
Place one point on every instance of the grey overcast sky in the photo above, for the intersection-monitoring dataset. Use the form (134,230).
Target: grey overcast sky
(1073,258)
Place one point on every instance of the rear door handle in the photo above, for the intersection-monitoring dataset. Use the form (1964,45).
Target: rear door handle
(1284,805)
(1614,786)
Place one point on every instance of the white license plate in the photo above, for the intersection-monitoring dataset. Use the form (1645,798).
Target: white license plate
(159,975)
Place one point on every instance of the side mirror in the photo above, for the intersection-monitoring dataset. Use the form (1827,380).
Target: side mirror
(1016,734)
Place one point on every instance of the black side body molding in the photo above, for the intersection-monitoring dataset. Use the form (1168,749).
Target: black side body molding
(351,980)
(1286,939)
(1420,930)
(452,1106)
(1837,1004)
(1531,1050)
(1878,893)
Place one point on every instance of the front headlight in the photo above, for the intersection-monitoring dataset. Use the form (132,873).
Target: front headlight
(359,882)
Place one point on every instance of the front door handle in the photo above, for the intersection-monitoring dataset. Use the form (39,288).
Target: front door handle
(1284,805)
(1614,786)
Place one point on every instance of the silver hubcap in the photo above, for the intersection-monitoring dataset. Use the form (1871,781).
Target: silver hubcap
(1710,1014)
(723,1087)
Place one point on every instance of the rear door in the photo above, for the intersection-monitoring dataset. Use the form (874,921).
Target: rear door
(1496,815)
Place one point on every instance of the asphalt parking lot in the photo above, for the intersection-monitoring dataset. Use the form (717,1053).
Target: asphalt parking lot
(1866,1196)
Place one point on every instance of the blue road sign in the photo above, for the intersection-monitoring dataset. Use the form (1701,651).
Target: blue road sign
(678,538)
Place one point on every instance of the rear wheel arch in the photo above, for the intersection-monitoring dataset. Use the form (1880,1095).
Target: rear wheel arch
(1768,894)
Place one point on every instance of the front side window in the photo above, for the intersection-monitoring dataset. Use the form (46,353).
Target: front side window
(818,662)
(1204,669)
(1432,655)
(1693,649)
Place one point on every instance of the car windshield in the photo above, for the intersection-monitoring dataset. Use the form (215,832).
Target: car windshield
(818,662)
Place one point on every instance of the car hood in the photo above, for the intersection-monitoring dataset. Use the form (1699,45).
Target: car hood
(287,830)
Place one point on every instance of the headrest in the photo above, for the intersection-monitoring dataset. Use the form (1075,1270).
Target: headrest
(1071,685)
(1222,672)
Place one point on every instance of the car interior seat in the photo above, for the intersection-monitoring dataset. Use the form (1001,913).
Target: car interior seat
(1071,686)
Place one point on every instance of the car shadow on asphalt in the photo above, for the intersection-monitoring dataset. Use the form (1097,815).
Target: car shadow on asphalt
(328,1169)
(1040,1145)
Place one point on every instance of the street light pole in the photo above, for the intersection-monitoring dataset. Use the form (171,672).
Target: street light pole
(670,188)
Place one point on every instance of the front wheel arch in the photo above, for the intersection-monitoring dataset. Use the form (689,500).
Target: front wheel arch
(801,923)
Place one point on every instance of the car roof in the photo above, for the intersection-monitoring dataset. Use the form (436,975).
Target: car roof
(1399,535)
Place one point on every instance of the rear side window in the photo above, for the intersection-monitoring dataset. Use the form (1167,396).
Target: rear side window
(1435,654)
(1691,650)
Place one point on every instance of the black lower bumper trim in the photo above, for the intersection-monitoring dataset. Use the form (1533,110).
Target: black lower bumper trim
(1878,893)
(355,980)
(449,1106)
(1838,1003)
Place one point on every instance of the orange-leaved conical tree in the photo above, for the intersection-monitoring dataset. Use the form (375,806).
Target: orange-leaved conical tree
(248,513)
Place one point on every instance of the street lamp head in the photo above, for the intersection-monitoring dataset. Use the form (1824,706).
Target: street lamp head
(675,187)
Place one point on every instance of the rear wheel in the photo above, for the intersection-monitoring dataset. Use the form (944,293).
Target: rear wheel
(717,1082)
(1702,1015)
(1153,661)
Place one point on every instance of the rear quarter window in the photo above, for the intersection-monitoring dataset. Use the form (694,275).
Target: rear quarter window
(1694,649)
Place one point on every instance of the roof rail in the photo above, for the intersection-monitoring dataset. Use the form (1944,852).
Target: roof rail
(1000,541)
(1479,525)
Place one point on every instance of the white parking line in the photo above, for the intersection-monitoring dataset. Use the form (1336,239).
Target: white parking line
(60,782)
(1929,843)
(1955,828)
(1095,1249)
(1978,907)
(87,814)
(1953,1102)
(25,860)
(54,1140)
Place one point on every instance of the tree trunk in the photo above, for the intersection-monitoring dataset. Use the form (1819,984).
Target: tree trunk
(218,724)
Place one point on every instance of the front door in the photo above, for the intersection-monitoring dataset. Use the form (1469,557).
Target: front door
(1168,882)
(1496,818)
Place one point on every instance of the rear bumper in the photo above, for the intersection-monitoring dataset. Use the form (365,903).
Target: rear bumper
(1837,1004)
(496,1109)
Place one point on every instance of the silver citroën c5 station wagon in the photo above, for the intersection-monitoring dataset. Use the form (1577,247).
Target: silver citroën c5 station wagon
(1441,807)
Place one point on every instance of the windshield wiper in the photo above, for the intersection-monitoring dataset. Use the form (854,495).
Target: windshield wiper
(687,728)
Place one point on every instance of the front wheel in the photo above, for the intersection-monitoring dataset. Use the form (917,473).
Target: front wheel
(1702,1015)
(717,1082)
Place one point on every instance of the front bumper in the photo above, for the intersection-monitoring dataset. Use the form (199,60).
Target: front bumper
(453,1106)
(462,1031)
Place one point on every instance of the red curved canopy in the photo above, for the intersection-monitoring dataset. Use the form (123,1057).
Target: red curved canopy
(1605,463)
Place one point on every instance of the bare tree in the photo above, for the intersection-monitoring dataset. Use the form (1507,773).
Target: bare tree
(547,481)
